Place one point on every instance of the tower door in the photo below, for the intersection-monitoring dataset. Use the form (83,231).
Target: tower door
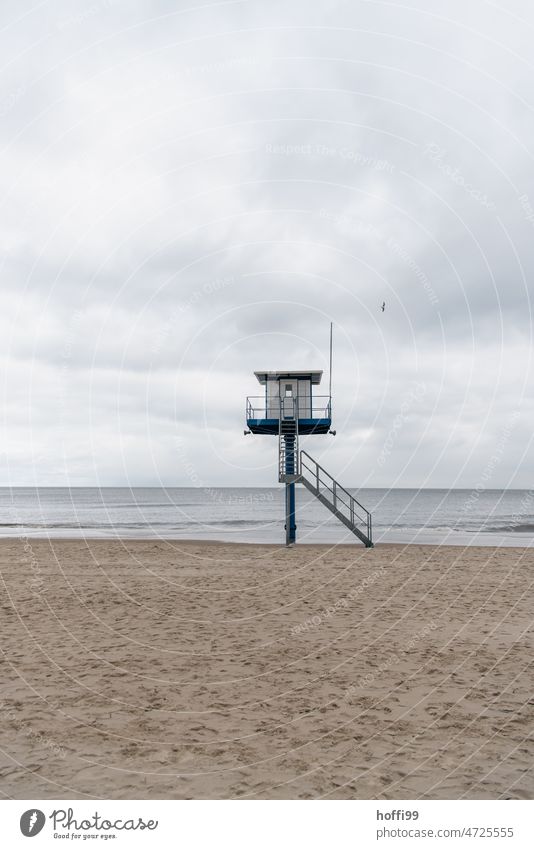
(289,398)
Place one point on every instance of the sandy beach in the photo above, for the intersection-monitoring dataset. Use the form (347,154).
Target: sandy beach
(196,670)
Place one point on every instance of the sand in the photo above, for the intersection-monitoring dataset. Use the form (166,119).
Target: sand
(194,670)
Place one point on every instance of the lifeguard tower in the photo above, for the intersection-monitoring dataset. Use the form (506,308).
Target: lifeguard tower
(288,409)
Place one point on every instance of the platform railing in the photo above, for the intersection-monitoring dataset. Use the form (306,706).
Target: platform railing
(258,408)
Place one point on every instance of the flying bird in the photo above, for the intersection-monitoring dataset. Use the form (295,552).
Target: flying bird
(383,307)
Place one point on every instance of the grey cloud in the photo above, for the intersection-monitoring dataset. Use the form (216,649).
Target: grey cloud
(196,193)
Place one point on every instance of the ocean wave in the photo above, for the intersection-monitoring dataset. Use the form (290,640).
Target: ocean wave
(117,526)
(511,529)
(467,528)
(229,524)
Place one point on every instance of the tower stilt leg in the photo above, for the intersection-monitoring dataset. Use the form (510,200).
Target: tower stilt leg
(291,526)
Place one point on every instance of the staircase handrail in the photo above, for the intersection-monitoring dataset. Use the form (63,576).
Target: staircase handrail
(334,490)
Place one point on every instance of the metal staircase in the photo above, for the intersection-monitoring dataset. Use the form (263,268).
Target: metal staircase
(336,498)
(288,442)
(300,467)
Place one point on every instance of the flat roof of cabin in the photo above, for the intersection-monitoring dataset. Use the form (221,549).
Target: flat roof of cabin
(264,376)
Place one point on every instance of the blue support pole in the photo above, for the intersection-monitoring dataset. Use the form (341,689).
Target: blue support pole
(292,523)
(291,527)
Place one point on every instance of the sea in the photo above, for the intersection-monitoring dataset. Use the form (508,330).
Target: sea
(256,515)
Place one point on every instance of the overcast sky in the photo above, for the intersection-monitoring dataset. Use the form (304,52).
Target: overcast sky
(193,192)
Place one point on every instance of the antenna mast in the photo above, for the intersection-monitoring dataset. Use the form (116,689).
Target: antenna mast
(330,378)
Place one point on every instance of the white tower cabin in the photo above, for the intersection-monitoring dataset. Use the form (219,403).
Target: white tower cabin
(292,393)
(289,408)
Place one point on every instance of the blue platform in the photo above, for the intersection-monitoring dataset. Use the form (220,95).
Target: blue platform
(305,426)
